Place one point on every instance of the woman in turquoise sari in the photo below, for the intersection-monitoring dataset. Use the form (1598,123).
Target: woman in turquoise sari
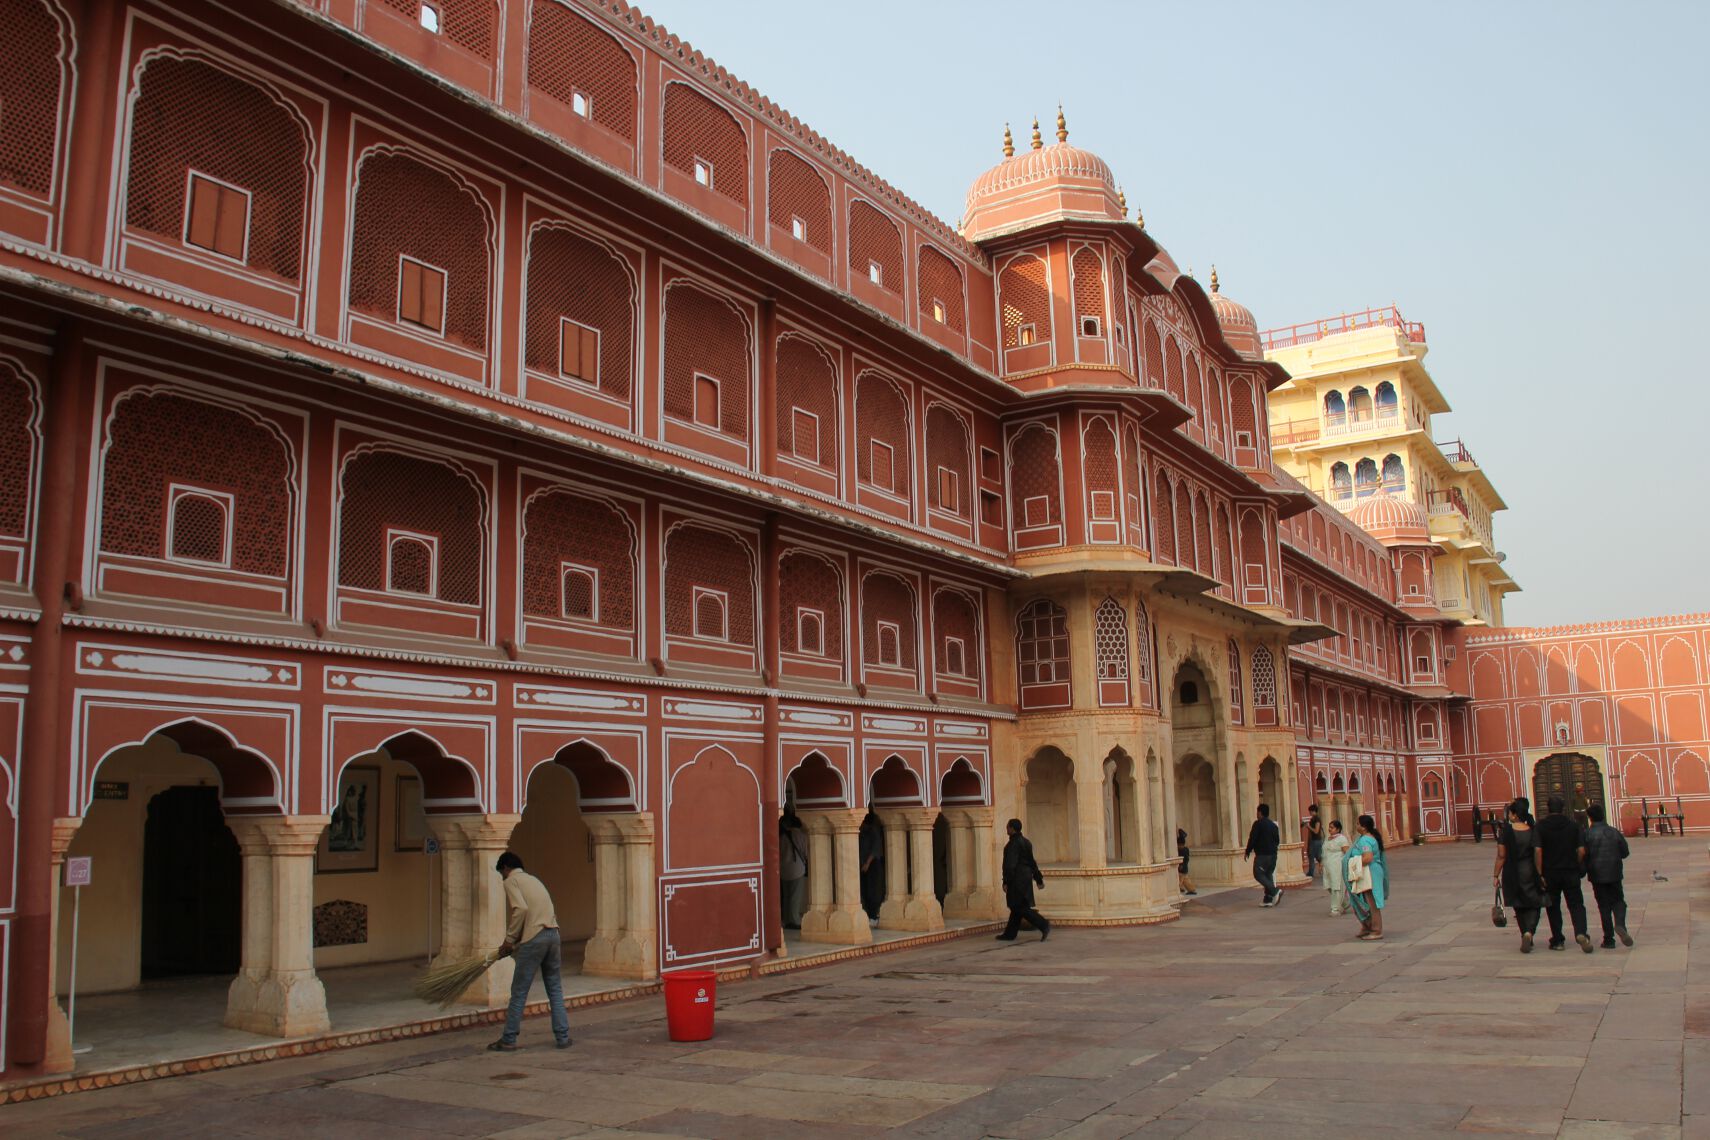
(1368,880)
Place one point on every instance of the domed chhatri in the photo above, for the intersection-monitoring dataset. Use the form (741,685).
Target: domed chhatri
(1240,328)
(1041,184)
(1392,521)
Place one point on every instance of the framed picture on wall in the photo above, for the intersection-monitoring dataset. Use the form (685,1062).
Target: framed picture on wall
(351,841)
(409,832)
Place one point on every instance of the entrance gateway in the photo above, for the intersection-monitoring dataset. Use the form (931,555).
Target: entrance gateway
(1557,772)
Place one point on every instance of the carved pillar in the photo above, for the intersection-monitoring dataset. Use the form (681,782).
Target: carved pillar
(846,923)
(56,1057)
(921,911)
(986,901)
(276,991)
(893,912)
(600,956)
(958,897)
(474,900)
(816,919)
(637,951)
(1408,828)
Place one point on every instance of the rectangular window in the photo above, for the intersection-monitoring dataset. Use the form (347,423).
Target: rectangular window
(421,294)
(1422,665)
(581,104)
(955,657)
(939,312)
(412,562)
(706,401)
(798,229)
(804,435)
(1025,335)
(991,468)
(949,491)
(875,273)
(711,609)
(890,644)
(1089,326)
(217,217)
(703,172)
(991,509)
(578,351)
(199,525)
(810,631)
(1036,511)
(881,464)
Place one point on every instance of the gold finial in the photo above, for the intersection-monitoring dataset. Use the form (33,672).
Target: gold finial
(1139,217)
(1008,142)
(1037,141)
(1062,126)
(1214,277)
(1122,201)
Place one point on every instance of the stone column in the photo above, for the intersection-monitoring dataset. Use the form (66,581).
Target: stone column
(474,903)
(922,911)
(958,897)
(1408,828)
(57,1056)
(637,951)
(276,991)
(845,923)
(986,900)
(816,919)
(1356,808)
(893,912)
(600,955)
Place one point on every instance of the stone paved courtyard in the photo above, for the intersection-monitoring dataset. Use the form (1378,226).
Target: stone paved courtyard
(1236,1022)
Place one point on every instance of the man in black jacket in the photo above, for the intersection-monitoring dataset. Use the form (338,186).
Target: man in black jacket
(1561,851)
(1604,849)
(1262,844)
(1020,874)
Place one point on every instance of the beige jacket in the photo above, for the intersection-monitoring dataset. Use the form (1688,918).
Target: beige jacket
(528,908)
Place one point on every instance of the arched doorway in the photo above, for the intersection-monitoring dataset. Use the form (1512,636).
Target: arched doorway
(1198,806)
(1271,792)
(1121,809)
(192,886)
(553,840)
(1559,773)
(1051,807)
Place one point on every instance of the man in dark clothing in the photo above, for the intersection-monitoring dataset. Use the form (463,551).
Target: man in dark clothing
(1605,847)
(1262,844)
(1560,852)
(872,856)
(1314,829)
(1020,875)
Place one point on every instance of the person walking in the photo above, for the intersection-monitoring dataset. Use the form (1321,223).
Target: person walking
(1605,848)
(1561,853)
(1184,882)
(1368,880)
(792,869)
(1581,806)
(872,854)
(1517,870)
(1262,843)
(531,939)
(1313,829)
(1020,876)
(1336,868)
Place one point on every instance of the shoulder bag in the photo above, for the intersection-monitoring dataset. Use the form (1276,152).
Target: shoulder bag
(1498,916)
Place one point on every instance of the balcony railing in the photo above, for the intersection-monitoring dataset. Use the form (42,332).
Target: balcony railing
(1294,431)
(1338,424)
(1456,452)
(1452,502)
(1387,317)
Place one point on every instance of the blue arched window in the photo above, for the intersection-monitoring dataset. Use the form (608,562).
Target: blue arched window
(1359,405)
(1365,477)
(1386,401)
(1334,409)
(1341,482)
(1394,477)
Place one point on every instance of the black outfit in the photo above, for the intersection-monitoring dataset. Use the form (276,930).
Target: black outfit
(1605,847)
(1262,844)
(1020,873)
(1182,851)
(872,844)
(1314,845)
(1560,839)
(1521,887)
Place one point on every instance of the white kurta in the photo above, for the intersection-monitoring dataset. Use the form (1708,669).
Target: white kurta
(1335,848)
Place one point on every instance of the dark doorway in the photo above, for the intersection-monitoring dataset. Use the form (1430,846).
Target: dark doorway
(940,857)
(192,912)
(1557,776)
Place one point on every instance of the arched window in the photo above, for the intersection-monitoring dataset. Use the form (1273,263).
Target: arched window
(798,201)
(1042,647)
(1335,410)
(707,360)
(1035,478)
(582,314)
(200,527)
(1143,655)
(582,67)
(810,592)
(807,402)
(940,290)
(956,628)
(1163,520)
(1024,301)
(1359,405)
(1365,477)
(1235,686)
(1133,487)
(1154,357)
(708,572)
(578,560)
(1264,684)
(1110,647)
(882,432)
(19,426)
(875,248)
(888,621)
(1394,477)
(1098,453)
(1089,293)
(31,93)
(1385,400)
(705,142)
(947,462)
(412,564)
(411,524)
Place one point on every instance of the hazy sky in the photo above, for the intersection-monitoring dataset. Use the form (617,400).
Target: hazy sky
(1530,180)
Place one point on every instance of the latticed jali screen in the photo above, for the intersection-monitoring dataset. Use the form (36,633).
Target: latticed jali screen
(886,598)
(714,560)
(947,448)
(1163,519)
(696,127)
(404,206)
(470,24)
(191,115)
(881,413)
(572,276)
(954,616)
(807,380)
(17,449)
(796,190)
(1033,475)
(388,490)
(705,333)
(1110,640)
(875,239)
(810,581)
(160,438)
(560,527)
(567,54)
(1025,300)
(29,95)
(941,283)
(1089,285)
(1042,643)
(1099,443)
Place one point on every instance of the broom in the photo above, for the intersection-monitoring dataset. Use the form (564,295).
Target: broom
(443,984)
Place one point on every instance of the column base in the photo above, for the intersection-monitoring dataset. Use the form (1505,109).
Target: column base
(56,1056)
(625,956)
(922,914)
(278,1005)
(842,926)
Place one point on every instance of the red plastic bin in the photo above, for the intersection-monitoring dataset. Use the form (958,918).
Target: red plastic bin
(689,1000)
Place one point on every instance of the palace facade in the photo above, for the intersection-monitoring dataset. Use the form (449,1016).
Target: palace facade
(436,426)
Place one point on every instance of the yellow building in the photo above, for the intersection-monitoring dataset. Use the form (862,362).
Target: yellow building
(1354,421)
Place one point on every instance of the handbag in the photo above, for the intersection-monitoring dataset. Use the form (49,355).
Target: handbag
(1498,916)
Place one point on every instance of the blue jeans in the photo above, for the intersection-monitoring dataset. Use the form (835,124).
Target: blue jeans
(1314,857)
(1264,871)
(543,952)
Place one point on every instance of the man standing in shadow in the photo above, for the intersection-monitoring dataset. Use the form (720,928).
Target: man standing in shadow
(1020,875)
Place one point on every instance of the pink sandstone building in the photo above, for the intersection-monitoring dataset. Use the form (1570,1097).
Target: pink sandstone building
(432,426)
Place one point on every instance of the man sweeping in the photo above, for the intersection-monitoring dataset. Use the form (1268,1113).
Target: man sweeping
(531,938)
